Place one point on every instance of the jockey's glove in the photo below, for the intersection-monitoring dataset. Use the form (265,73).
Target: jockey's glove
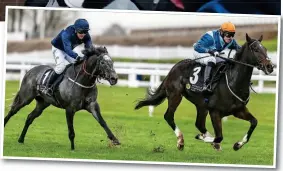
(213,53)
(80,58)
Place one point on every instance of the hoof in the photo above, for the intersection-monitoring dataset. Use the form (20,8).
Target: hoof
(180,147)
(199,137)
(237,146)
(217,146)
(180,143)
(21,141)
(115,142)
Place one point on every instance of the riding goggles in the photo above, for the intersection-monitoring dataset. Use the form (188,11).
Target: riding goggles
(229,34)
(82,31)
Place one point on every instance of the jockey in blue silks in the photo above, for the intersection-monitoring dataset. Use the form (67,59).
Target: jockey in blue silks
(63,45)
(208,47)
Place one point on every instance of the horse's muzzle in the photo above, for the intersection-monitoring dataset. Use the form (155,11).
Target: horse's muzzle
(268,68)
(113,79)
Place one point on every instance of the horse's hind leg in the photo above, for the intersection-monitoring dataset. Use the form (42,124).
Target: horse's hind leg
(40,106)
(22,99)
(245,115)
(173,102)
(200,125)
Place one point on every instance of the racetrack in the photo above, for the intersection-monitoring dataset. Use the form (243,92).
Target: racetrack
(143,138)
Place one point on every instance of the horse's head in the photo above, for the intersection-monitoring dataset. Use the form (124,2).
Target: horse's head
(102,64)
(258,55)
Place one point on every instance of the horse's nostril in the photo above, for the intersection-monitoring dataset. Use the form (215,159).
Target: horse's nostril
(270,66)
(113,79)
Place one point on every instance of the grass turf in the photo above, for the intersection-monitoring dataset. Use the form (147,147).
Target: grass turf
(143,138)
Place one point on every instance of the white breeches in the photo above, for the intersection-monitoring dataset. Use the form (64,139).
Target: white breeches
(61,60)
(205,58)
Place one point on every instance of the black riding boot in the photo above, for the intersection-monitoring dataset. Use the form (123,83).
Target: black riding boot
(206,85)
(48,91)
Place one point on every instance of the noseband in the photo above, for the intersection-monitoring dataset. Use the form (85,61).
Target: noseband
(95,68)
(260,61)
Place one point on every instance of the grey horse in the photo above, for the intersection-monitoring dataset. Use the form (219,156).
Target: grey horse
(77,91)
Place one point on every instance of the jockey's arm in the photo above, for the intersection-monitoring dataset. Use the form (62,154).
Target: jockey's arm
(68,45)
(204,44)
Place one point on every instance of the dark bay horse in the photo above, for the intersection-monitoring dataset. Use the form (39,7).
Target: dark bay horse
(229,97)
(77,91)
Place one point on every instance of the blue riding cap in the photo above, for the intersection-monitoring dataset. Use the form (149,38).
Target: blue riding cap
(81,24)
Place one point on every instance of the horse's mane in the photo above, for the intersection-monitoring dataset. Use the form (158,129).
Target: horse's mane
(94,51)
(240,51)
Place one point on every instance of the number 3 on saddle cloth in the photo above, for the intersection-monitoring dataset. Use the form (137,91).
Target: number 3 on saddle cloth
(196,78)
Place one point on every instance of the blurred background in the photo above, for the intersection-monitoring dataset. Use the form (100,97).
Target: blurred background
(144,45)
(264,7)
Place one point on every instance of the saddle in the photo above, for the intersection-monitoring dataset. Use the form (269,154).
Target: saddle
(42,83)
(195,80)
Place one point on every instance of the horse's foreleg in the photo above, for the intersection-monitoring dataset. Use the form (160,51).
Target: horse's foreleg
(94,109)
(70,122)
(217,125)
(173,103)
(40,106)
(245,115)
(200,124)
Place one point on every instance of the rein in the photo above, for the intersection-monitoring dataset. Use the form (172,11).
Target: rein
(83,68)
(242,63)
(234,94)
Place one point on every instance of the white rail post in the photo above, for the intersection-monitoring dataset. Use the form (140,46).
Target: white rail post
(152,86)
(132,79)
(22,74)
(260,82)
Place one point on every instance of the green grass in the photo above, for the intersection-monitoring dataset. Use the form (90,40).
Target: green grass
(138,133)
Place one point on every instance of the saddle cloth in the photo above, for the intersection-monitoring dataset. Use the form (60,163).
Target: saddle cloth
(196,78)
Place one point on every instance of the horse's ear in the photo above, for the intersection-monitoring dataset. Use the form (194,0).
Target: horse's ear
(260,39)
(248,38)
(105,49)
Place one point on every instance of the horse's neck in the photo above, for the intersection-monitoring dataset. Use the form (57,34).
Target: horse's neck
(240,77)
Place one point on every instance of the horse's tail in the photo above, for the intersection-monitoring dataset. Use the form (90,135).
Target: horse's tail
(154,98)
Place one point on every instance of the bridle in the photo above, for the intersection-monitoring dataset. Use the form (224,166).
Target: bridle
(92,74)
(259,62)
(84,69)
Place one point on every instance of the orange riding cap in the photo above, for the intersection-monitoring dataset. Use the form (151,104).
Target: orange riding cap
(228,27)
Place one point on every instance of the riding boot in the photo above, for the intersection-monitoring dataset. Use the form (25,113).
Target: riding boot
(206,85)
(48,91)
